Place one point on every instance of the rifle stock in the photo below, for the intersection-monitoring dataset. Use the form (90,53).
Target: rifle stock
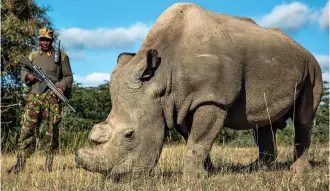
(45,80)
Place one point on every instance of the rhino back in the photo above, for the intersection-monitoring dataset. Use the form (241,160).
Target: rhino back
(228,60)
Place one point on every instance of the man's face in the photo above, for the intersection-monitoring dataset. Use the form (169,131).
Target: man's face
(45,44)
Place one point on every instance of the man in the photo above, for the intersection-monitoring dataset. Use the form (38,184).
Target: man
(42,113)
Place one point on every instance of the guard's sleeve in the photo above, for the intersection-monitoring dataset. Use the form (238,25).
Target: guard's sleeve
(25,70)
(67,78)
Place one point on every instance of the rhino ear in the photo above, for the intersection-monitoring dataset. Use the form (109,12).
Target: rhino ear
(124,58)
(153,62)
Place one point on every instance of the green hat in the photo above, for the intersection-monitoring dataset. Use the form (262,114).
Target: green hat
(46,33)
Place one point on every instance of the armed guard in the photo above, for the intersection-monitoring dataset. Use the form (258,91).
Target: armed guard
(42,113)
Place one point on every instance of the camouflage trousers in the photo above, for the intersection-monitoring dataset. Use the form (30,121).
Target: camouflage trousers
(40,120)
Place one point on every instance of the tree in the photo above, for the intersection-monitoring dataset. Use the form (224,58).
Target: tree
(20,22)
(321,124)
(323,111)
(92,105)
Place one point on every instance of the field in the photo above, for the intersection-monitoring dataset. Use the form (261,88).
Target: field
(232,173)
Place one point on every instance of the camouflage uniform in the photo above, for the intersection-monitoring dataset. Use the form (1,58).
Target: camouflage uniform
(42,113)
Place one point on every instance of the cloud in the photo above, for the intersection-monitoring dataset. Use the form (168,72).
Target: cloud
(93,79)
(324,18)
(77,55)
(103,37)
(287,16)
(325,76)
(314,17)
(323,61)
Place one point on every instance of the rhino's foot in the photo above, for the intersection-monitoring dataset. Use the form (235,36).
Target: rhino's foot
(301,165)
(208,165)
(260,164)
(191,175)
(195,166)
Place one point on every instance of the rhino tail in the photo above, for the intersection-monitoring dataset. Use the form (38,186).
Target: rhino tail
(315,74)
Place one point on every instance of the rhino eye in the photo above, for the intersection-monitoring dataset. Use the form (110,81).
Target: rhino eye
(129,134)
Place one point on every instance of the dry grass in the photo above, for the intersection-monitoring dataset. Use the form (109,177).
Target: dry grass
(231,174)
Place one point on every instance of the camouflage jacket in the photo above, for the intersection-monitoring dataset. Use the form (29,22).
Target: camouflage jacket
(60,74)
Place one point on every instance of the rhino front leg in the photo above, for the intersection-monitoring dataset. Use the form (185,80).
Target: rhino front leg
(207,123)
(183,130)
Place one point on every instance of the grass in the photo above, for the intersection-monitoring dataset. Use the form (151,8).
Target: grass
(231,163)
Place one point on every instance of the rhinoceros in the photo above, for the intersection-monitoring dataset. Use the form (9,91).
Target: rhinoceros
(199,71)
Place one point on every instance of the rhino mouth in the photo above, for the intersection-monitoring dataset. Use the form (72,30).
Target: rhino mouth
(94,160)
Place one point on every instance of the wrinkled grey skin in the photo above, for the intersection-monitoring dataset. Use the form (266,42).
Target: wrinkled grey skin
(199,71)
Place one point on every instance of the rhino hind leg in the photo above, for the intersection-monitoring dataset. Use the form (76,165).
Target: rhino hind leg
(265,138)
(207,123)
(303,122)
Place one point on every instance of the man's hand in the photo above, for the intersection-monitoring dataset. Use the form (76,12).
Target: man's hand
(31,78)
(54,94)
(61,90)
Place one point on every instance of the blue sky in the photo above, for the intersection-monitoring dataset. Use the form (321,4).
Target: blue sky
(95,32)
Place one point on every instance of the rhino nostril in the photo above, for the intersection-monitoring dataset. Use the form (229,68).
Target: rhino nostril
(95,143)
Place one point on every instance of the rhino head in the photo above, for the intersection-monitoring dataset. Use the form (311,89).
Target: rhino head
(131,138)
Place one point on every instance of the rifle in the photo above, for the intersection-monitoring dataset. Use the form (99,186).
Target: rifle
(45,79)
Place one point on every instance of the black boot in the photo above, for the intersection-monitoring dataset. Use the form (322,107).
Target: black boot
(49,163)
(19,166)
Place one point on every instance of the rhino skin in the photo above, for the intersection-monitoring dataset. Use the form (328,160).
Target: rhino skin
(198,71)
